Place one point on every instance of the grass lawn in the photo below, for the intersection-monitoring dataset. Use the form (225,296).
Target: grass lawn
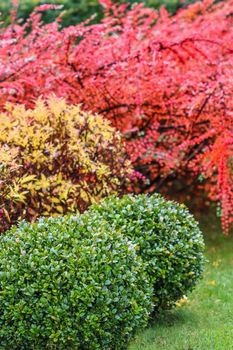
(205,322)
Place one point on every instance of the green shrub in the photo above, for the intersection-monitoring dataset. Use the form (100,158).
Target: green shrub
(168,239)
(67,285)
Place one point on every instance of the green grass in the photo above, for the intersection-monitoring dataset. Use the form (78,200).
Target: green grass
(206,321)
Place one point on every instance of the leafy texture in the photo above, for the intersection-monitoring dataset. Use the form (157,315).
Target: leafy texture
(167,237)
(164,82)
(74,11)
(56,159)
(68,285)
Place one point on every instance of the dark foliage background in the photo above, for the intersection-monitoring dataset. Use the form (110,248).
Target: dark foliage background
(78,10)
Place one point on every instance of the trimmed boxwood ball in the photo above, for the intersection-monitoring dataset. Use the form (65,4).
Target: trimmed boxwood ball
(168,239)
(65,284)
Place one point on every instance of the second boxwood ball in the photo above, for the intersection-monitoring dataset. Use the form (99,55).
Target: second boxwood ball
(168,239)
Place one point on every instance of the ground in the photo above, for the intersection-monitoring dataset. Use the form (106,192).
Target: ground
(205,321)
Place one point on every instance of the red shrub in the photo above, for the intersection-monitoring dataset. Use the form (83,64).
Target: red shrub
(165,82)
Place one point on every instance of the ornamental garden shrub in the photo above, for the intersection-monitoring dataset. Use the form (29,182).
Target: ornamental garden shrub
(74,11)
(163,81)
(56,159)
(167,237)
(66,284)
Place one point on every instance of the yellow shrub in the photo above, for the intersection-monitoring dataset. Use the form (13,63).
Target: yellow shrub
(55,159)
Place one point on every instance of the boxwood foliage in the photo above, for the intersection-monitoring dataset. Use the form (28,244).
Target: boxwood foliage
(65,284)
(168,239)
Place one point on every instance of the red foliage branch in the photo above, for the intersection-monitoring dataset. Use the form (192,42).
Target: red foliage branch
(165,82)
